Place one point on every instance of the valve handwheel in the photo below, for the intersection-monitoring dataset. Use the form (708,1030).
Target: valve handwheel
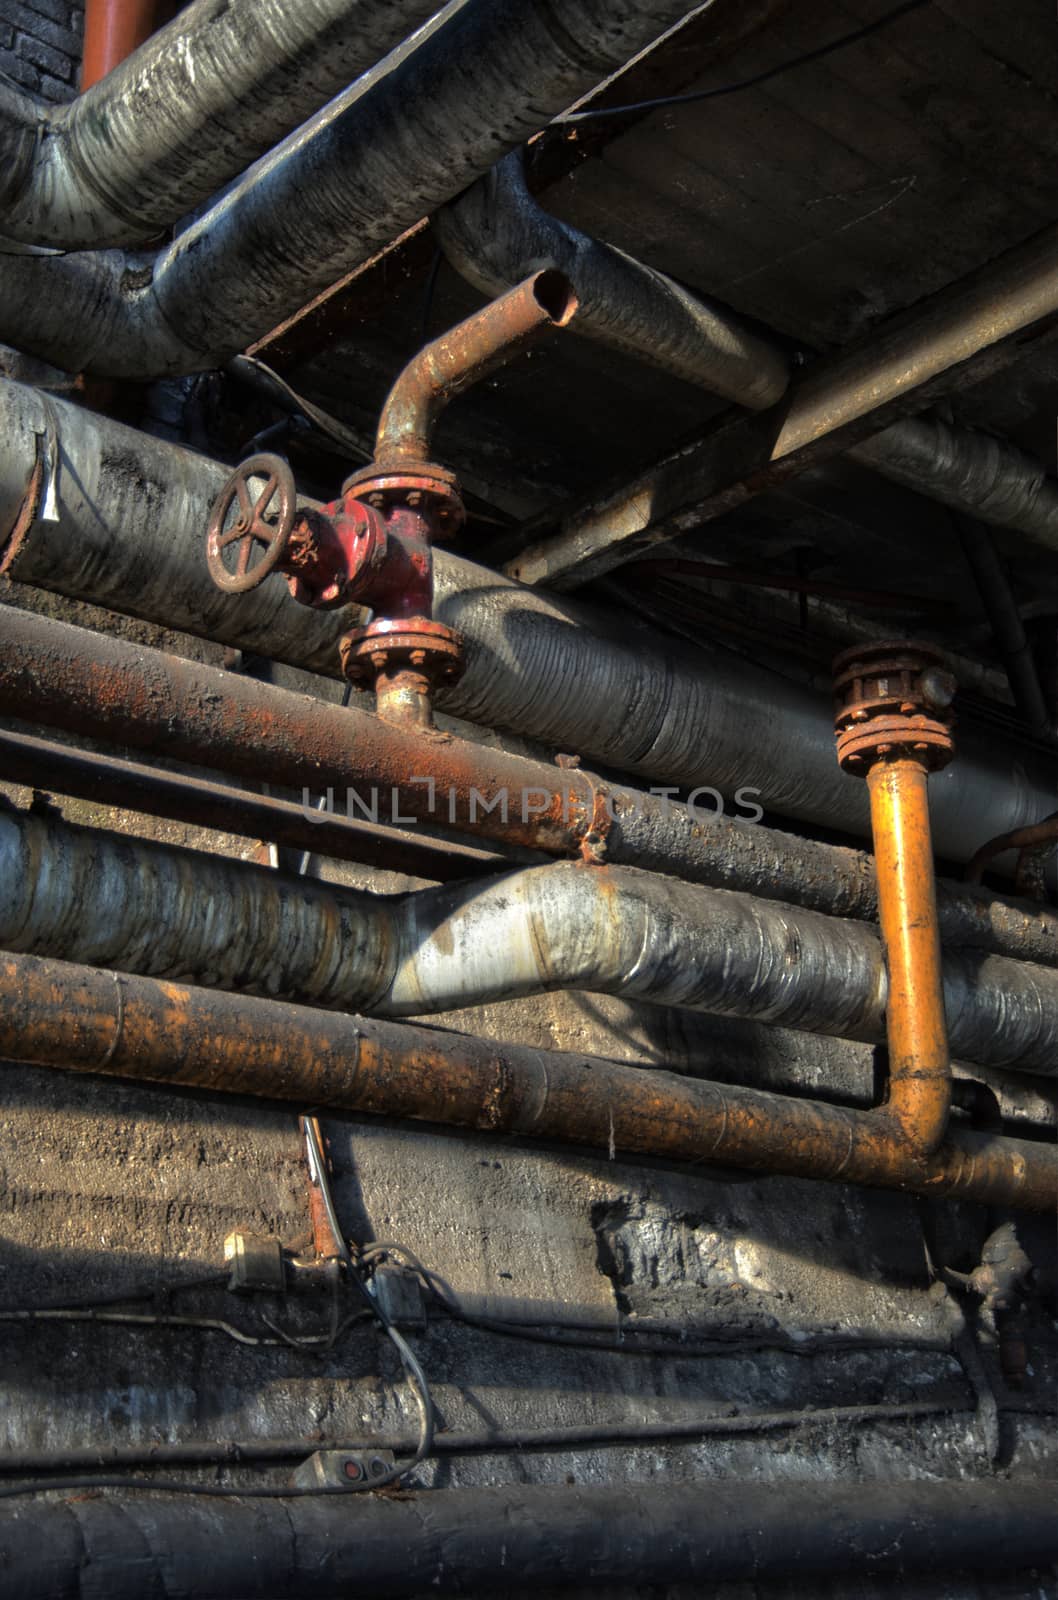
(265,517)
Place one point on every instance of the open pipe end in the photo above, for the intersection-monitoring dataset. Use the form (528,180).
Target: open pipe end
(555,294)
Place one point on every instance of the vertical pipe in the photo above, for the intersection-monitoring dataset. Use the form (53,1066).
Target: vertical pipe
(919,1075)
(113,29)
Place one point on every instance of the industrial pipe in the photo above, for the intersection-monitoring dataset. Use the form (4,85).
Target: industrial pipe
(487,79)
(497,231)
(87,895)
(188,111)
(113,29)
(465,356)
(893,726)
(916,1033)
(574,678)
(577,1539)
(149,1031)
(43,764)
(108,689)
(374,545)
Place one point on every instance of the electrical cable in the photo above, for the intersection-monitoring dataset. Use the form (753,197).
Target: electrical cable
(499,1442)
(259,375)
(629,1342)
(744,83)
(409,1361)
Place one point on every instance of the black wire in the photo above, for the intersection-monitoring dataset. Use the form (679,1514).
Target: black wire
(557,1440)
(408,1359)
(745,83)
(259,375)
(633,1345)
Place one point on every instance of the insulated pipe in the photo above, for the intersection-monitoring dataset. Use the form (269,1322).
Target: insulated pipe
(572,1539)
(497,224)
(462,357)
(188,111)
(103,687)
(486,80)
(86,895)
(73,503)
(139,1028)
(496,232)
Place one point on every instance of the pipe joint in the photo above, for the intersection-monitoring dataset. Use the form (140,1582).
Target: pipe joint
(893,700)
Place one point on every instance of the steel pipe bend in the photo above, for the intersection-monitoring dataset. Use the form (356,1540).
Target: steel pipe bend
(185,113)
(496,232)
(378,162)
(86,895)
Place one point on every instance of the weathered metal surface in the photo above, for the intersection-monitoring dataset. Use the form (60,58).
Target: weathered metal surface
(918,1051)
(466,355)
(893,718)
(106,688)
(893,699)
(360,297)
(965,332)
(587,1539)
(1040,834)
(129,536)
(264,517)
(87,895)
(494,231)
(168,1033)
(180,117)
(394,152)
(45,765)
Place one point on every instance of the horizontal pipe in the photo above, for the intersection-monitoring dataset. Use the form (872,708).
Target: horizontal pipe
(576,679)
(496,232)
(490,77)
(108,689)
(458,1441)
(182,115)
(87,895)
(44,764)
(580,1539)
(151,1031)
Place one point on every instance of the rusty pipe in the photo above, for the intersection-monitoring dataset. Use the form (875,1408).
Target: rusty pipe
(105,688)
(919,1063)
(893,724)
(463,356)
(113,29)
(43,764)
(1038,833)
(140,1028)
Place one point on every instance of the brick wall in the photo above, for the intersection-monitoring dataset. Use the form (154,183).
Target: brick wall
(40,45)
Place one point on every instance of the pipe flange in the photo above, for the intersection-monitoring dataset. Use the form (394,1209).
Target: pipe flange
(407,644)
(419,485)
(893,699)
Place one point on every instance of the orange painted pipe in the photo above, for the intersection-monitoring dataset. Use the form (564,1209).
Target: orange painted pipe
(83,1019)
(919,1062)
(113,29)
